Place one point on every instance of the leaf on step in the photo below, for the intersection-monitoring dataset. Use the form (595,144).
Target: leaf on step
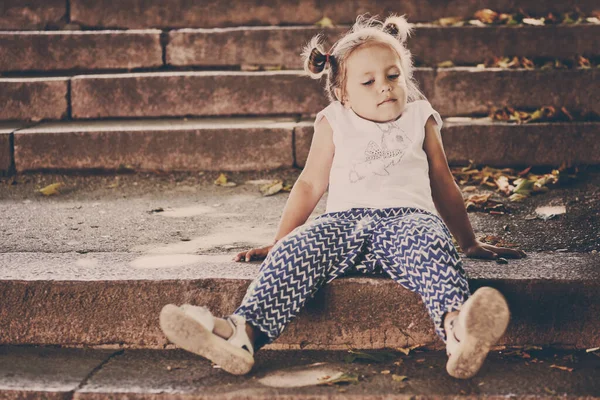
(486,16)
(273,67)
(563,368)
(399,378)
(548,390)
(450,21)
(222,181)
(446,64)
(51,189)
(325,22)
(516,197)
(406,350)
(249,67)
(271,188)
(534,21)
(386,372)
(523,186)
(468,189)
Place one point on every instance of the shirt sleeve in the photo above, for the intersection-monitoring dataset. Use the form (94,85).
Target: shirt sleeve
(326,112)
(427,110)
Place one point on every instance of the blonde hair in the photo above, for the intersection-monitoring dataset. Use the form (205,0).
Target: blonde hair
(393,32)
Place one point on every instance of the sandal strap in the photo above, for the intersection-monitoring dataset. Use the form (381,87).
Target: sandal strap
(239,338)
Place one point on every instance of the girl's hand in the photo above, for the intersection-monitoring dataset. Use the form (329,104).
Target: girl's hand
(484,250)
(259,253)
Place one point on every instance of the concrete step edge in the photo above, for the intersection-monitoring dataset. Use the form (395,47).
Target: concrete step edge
(94,299)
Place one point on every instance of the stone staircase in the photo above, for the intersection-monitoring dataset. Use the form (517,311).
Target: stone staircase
(178,85)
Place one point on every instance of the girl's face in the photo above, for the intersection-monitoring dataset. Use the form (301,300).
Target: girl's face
(375,84)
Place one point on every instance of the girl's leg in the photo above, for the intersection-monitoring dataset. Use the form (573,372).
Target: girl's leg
(415,248)
(299,264)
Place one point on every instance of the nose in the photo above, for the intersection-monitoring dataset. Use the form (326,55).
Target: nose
(386,88)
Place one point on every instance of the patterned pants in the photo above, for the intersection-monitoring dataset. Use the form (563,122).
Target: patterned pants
(412,246)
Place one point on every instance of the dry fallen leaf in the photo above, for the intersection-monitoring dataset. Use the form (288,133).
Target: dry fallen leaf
(271,188)
(51,189)
(325,23)
(486,16)
(561,368)
(406,350)
(222,181)
(399,378)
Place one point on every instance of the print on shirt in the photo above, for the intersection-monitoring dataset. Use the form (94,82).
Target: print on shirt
(378,157)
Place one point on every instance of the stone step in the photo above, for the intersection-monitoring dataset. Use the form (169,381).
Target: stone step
(45,372)
(80,50)
(429,45)
(115,298)
(189,14)
(22,51)
(32,14)
(252,144)
(34,98)
(452,91)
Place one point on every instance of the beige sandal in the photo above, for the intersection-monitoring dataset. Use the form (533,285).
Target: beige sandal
(481,322)
(191,328)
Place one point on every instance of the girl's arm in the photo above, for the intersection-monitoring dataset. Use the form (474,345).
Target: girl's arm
(307,191)
(449,202)
(312,182)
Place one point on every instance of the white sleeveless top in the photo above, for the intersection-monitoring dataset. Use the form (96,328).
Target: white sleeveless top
(379,165)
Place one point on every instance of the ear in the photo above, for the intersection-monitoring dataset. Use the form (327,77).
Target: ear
(338,94)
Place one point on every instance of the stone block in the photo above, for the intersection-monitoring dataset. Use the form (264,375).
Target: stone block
(61,300)
(202,94)
(502,144)
(32,14)
(33,99)
(220,13)
(167,145)
(464,91)
(67,50)
(195,94)
(430,45)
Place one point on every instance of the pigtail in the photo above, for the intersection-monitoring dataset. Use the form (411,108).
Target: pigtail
(398,27)
(314,58)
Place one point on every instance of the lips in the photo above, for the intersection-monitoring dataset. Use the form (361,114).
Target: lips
(387,101)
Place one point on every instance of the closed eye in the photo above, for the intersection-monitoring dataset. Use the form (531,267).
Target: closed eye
(389,76)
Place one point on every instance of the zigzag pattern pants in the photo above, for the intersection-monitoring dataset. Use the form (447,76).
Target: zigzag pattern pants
(412,246)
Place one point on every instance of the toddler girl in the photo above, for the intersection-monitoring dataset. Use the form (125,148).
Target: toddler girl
(377,146)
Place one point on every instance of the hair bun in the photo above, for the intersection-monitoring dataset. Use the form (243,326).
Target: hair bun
(398,27)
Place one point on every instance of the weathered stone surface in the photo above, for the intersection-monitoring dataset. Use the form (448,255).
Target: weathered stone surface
(456,91)
(31,14)
(464,91)
(502,144)
(64,50)
(51,373)
(429,45)
(473,45)
(167,145)
(203,94)
(195,94)
(548,144)
(33,98)
(219,13)
(108,298)
(180,374)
